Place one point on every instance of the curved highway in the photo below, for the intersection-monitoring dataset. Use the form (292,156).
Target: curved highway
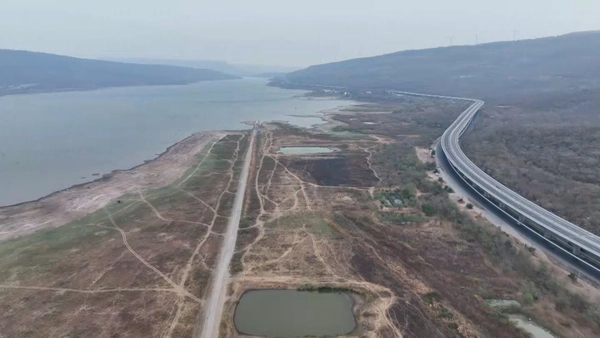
(562,234)
(572,239)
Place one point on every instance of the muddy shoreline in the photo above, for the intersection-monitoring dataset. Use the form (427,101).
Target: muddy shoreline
(65,205)
(102,178)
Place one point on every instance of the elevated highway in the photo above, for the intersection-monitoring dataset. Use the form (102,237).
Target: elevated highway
(562,234)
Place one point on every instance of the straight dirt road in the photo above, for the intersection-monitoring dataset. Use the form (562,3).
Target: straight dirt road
(214,305)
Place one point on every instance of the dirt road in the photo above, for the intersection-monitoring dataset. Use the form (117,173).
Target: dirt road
(214,305)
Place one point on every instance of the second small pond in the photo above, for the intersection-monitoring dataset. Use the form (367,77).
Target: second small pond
(305,150)
(291,313)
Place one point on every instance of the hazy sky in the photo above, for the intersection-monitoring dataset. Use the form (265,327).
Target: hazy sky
(277,32)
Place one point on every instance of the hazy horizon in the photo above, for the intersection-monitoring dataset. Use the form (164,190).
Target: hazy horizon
(269,32)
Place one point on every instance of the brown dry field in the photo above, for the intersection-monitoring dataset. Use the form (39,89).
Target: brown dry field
(298,233)
(313,220)
(138,267)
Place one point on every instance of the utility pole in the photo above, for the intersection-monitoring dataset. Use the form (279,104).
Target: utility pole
(476,39)
(514,35)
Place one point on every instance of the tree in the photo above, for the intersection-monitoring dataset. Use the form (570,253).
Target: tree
(409,192)
(469,206)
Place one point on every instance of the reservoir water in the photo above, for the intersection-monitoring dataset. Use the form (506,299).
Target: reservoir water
(291,313)
(49,142)
(305,150)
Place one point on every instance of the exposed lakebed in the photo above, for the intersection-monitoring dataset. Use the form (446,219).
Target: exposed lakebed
(292,313)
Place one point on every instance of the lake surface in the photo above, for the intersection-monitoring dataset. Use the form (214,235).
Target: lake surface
(49,142)
(305,150)
(291,313)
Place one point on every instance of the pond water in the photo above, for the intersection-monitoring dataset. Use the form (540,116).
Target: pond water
(305,150)
(530,327)
(304,121)
(51,141)
(291,313)
(502,303)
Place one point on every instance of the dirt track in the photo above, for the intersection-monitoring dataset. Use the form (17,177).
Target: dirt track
(67,205)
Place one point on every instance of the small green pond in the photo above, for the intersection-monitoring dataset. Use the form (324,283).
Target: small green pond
(502,303)
(305,150)
(291,313)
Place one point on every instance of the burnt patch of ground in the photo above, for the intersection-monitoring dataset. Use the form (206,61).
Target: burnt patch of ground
(342,170)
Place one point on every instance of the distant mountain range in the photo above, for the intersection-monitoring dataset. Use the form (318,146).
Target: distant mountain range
(27,72)
(567,62)
(220,66)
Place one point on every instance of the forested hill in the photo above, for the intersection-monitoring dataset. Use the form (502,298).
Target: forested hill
(567,62)
(25,72)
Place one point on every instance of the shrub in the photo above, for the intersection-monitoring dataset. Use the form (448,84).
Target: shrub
(527,298)
(408,192)
(469,206)
(428,210)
